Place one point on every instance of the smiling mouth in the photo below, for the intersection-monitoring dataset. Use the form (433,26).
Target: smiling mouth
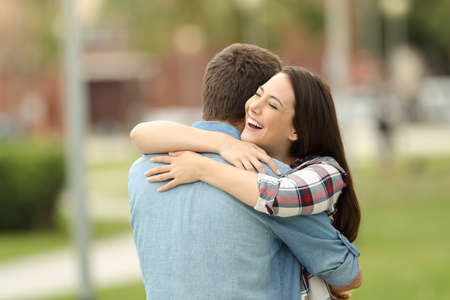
(253,124)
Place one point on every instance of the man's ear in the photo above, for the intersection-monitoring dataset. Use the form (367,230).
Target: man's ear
(293,136)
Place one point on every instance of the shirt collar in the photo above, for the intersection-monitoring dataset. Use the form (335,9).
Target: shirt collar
(218,126)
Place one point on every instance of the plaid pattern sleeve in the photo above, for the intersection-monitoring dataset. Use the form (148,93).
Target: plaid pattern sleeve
(311,188)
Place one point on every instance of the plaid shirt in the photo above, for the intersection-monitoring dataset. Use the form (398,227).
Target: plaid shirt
(311,188)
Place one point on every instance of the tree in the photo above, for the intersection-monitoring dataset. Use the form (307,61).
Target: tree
(429,30)
(153,24)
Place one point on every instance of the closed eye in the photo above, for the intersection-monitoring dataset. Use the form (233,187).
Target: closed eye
(273,106)
(259,91)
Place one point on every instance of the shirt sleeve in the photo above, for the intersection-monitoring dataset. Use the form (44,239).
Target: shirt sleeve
(310,190)
(319,247)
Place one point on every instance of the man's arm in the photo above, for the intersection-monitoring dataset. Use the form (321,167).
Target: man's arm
(319,247)
(356,283)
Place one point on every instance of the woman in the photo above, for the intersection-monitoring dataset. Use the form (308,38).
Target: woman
(292,117)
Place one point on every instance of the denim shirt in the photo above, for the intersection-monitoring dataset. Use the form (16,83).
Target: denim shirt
(198,242)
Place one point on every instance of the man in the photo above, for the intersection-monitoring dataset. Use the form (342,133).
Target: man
(198,242)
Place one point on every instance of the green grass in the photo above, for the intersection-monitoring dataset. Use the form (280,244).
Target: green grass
(17,244)
(404,237)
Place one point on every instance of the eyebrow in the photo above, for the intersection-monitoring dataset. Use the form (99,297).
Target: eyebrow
(271,96)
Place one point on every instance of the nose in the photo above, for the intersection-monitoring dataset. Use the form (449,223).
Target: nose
(255,105)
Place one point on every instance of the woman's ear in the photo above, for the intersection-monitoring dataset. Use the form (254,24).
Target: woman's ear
(293,136)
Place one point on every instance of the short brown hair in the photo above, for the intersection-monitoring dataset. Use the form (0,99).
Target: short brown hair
(232,77)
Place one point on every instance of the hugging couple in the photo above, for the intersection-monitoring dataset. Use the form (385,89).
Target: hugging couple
(267,210)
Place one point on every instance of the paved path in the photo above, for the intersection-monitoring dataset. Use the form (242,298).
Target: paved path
(113,261)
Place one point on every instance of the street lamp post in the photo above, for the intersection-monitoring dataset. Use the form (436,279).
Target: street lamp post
(337,35)
(395,12)
(76,120)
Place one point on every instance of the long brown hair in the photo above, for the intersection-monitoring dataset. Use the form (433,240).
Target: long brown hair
(318,133)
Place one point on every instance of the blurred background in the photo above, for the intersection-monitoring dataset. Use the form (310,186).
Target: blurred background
(387,61)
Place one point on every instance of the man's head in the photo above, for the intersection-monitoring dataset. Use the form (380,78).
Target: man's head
(232,77)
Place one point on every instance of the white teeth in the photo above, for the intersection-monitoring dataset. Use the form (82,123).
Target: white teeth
(254,123)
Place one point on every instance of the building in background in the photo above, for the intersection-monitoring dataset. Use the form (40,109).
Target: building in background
(129,78)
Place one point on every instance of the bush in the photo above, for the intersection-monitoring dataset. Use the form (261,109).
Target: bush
(31,178)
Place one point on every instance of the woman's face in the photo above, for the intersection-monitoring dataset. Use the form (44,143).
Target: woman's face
(269,115)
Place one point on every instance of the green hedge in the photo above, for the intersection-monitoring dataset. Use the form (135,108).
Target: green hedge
(31,179)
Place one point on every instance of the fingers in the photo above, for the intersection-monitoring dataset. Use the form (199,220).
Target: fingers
(175,154)
(164,172)
(161,177)
(157,170)
(162,159)
(247,165)
(253,163)
(273,166)
(260,150)
(238,164)
(168,186)
(268,161)
(262,155)
(257,165)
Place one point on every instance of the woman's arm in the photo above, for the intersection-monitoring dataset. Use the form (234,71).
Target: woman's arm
(166,136)
(312,189)
(186,167)
(306,191)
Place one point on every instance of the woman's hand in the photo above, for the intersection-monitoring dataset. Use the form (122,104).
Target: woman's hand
(247,156)
(182,167)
